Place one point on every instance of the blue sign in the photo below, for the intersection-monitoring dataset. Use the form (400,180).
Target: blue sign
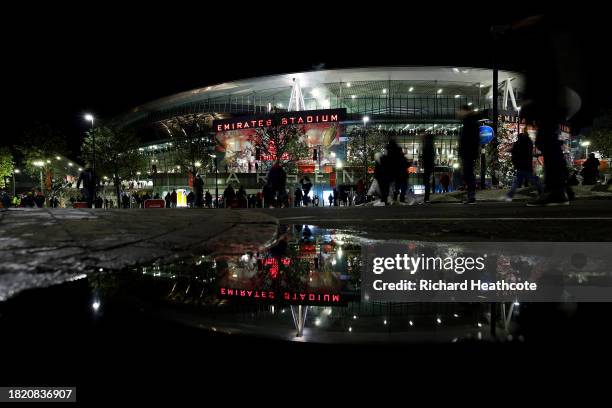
(486,134)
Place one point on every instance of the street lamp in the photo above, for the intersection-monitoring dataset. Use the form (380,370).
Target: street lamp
(90,118)
(365,119)
(586,145)
(40,164)
(15,171)
(214,156)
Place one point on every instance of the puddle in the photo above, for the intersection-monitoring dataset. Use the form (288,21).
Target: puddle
(306,288)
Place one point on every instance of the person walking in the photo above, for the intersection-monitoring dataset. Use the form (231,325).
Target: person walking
(229,196)
(298,197)
(277,178)
(469,143)
(86,177)
(429,154)
(208,199)
(241,195)
(445,182)
(522,159)
(173,199)
(198,186)
(590,170)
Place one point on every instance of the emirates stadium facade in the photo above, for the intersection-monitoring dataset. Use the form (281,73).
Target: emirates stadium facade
(395,101)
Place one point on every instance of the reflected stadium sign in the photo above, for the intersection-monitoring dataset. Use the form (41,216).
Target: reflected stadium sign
(280,119)
(297,297)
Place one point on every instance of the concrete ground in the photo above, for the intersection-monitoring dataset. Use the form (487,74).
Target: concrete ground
(583,220)
(44,246)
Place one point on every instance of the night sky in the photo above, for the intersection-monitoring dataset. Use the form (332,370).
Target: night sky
(64,61)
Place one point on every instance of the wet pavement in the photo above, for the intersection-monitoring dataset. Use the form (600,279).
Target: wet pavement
(304,288)
(40,247)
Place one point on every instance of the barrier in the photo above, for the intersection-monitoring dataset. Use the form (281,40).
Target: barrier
(154,204)
(80,204)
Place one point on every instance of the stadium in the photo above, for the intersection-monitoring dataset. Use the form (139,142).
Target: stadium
(338,110)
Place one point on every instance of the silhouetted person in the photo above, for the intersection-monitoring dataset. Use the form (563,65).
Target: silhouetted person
(277,178)
(190,199)
(168,200)
(522,159)
(242,197)
(306,185)
(445,182)
(429,154)
(89,185)
(590,170)
(229,196)
(382,177)
(198,186)
(469,143)
(551,63)
(331,199)
(298,197)
(208,198)
(173,199)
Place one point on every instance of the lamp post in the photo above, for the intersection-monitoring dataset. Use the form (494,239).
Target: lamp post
(214,156)
(15,171)
(40,164)
(365,119)
(586,145)
(90,118)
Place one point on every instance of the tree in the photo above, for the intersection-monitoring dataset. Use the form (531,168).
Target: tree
(600,135)
(193,148)
(375,142)
(38,143)
(6,166)
(116,154)
(601,140)
(283,143)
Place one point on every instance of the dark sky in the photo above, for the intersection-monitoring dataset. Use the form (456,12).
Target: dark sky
(105,60)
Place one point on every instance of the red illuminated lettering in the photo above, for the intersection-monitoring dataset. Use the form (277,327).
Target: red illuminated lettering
(326,298)
(309,119)
(230,291)
(334,118)
(324,118)
(226,126)
(300,120)
(223,291)
(242,293)
(287,296)
(335,298)
(311,297)
(271,295)
(249,293)
(239,125)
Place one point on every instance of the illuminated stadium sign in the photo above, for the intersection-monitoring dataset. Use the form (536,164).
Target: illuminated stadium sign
(280,119)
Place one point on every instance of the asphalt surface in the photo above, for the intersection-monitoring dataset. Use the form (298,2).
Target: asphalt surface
(586,220)
(40,247)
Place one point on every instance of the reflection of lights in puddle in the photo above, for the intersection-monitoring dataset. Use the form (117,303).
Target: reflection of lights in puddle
(410,323)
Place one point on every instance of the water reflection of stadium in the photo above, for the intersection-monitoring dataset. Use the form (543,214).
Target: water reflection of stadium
(307,287)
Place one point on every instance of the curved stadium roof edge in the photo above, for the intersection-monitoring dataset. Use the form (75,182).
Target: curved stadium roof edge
(308,79)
